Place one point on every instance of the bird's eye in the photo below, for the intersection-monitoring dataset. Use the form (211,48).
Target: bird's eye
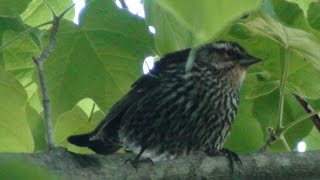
(231,53)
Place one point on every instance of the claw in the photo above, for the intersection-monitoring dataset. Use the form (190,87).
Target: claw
(134,162)
(232,156)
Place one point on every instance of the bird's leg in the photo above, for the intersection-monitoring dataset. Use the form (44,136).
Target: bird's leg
(134,162)
(232,156)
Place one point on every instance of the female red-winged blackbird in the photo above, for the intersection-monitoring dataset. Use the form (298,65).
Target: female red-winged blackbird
(173,111)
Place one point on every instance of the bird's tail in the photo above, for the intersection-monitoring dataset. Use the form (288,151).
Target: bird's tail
(99,146)
(81,140)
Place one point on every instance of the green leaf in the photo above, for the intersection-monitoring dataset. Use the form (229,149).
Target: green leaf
(303,4)
(36,125)
(265,111)
(8,24)
(289,13)
(313,140)
(205,19)
(314,15)
(298,41)
(88,106)
(98,60)
(38,12)
(246,133)
(15,135)
(74,122)
(18,56)
(262,89)
(309,88)
(9,8)
(170,34)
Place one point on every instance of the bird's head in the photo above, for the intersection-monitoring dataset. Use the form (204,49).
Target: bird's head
(228,58)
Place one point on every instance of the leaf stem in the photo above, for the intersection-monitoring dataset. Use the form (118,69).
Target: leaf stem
(123,4)
(283,81)
(297,121)
(49,6)
(285,143)
(25,33)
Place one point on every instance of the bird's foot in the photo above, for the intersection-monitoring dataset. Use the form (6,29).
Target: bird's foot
(232,156)
(135,162)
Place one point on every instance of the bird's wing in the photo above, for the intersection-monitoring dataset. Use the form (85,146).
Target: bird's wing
(143,84)
(104,138)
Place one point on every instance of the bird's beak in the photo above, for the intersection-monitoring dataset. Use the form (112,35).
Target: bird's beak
(249,60)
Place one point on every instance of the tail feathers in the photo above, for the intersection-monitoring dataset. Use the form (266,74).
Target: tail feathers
(98,146)
(80,140)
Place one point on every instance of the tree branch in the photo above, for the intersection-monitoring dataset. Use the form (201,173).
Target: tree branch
(199,166)
(308,108)
(43,82)
(123,4)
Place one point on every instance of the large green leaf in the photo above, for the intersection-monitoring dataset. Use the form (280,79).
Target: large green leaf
(303,4)
(170,34)
(314,15)
(38,12)
(8,24)
(98,60)
(302,87)
(298,41)
(36,124)
(206,17)
(18,56)
(313,140)
(15,135)
(266,39)
(246,133)
(18,61)
(75,122)
(266,108)
(9,8)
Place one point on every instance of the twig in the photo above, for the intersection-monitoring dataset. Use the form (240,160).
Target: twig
(39,61)
(308,108)
(43,82)
(271,139)
(123,4)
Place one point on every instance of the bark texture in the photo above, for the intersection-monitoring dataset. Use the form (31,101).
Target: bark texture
(62,163)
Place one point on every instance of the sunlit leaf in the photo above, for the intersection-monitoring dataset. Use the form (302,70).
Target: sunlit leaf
(98,60)
(205,18)
(38,12)
(36,125)
(296,40)
(15,135)
(170,35)
(75,122)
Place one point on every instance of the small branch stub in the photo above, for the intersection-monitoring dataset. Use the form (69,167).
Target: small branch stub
(272,137)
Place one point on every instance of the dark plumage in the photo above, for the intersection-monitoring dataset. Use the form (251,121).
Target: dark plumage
(171,111)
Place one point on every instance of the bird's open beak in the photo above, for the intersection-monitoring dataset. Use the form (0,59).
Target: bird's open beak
(249,60)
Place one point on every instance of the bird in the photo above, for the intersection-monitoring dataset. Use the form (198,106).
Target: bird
(173,111)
